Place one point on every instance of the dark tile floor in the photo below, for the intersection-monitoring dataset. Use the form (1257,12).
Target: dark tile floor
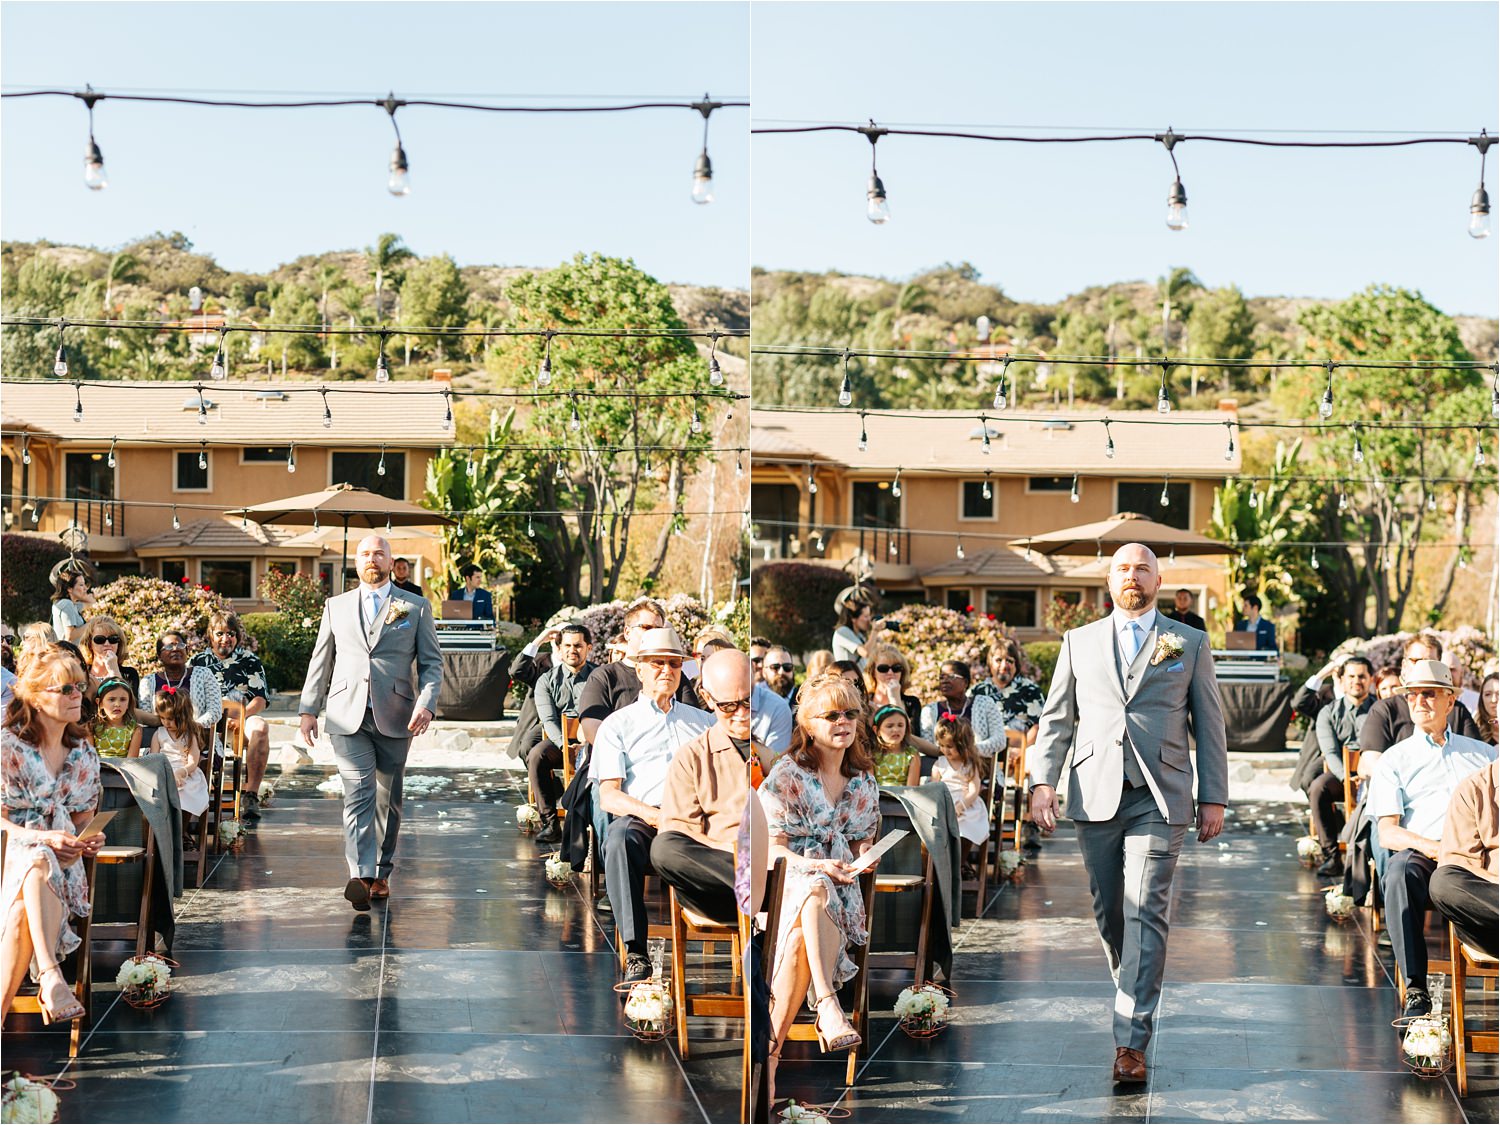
(478,994)
(1270,1012)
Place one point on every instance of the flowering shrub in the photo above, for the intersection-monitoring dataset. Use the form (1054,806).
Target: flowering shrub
(284,641)
(735,616)
(1062,616)
(930,635)
(1474,646)
(148,607)
(792,603)
(25,592)
(685,613)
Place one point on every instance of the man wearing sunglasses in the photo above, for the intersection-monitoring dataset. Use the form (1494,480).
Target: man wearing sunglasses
(778,671)
(704,797)
(632,751)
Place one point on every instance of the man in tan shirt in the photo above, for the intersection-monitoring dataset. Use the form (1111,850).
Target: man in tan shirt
(1464,885)
(704,799)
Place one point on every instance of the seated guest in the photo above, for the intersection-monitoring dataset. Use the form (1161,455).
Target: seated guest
(632,749)
(556,696)
(822,806)
(116,734)
(1389,720)
(779,671)
(980,711)
(616,685)
(104,647)
(174,672)
(1020,699)
(241,677)
(35,639)
(1338,726)
(887,680)
(817,663)
(703,800)
(1182,611)
(473,591)
(70,597)
(526,668)
(1464,886)
(759,646)
(1489,704)
(897,761)
(1387,681)
(1253,622)
(1409,798)
(401,576)
(51,787)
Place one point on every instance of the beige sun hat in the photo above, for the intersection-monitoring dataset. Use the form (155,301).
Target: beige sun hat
(660,642)
(1427,674)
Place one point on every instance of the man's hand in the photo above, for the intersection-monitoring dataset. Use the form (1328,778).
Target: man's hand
(421,718)
(549,637)
(1210,822)
(309,728)
(1044,807)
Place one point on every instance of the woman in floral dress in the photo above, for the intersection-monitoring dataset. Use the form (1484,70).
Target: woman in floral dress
(50,790)
(822,806)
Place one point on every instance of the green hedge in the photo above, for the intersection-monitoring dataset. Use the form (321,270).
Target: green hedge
(792,604)
(25,592)
(1044,655)
(283,646)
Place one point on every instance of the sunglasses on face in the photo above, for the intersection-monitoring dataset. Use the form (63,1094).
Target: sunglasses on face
(174,648)
(835,716)
(757,661)
(105,640)
(778,667)
(663,662)
(68,689)
(885,669)
(728,706)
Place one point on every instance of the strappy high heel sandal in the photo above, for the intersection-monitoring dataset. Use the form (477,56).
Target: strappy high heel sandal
(843,1035)
(58,1001)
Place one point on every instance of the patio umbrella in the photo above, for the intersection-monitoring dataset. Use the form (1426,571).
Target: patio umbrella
(342,504)
(1107,536)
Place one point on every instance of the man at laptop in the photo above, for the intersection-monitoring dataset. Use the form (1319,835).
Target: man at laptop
(1253,622)
(473,592)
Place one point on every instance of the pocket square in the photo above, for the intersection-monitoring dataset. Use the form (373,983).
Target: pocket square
(1175,667)
(407,625)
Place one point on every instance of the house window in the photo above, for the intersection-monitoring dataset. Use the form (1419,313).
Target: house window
(975,506)
(173,570)
(773,511)
(1068,597)
(282,566)
(229,577)
(960,599)
(363,470)
(263,455)
(89,477)
(874,506)
(1016,608)
(1049,484)
(1144,497)
(187,476)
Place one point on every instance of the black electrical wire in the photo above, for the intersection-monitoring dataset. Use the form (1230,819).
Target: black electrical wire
(132,440)
(1217,138)
(223,386)
(64,500)
(333,103)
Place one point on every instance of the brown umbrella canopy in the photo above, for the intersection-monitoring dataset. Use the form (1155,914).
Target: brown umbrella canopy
(1107,536)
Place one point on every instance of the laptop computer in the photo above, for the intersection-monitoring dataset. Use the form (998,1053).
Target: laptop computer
(456,609)
(1242,640)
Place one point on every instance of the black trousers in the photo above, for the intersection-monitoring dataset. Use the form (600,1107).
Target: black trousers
(1469,902)
(703,877)
(543,759)
(1326,798)
(627,862)
(1407,900)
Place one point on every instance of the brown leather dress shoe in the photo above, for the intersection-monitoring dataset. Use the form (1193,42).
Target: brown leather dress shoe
(357,892)
(380,888)
(1130,1065)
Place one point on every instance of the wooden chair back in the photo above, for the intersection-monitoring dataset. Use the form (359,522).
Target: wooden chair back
(755,1079)
(1470,964)
(130,844)
(1351,779)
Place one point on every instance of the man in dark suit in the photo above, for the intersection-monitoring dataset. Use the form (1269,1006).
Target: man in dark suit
(1253,622)
(1182,611)
(401,577)
(473,591)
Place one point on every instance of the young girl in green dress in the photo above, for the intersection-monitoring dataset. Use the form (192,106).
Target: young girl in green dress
(116,733)
(896,763)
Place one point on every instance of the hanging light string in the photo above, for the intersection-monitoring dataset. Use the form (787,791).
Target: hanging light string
(1022,542)
(332,514)
(177,386)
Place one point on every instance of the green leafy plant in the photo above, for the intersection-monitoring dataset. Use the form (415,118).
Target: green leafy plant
(792,603)
(25,592)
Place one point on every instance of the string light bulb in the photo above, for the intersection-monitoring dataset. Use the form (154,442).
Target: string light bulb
(1325,408)
(219,369)
(530,531)
(893,550)
(447,408)
(1315,558)
(896,485)
(703,170)
(575,423)
(818,544)
(1254,499)
(327,413)
(1343,501)
(1165,499)
(25,449)
(399,181)
(984,435)
(812,482)
(1109,441)
(1359,449)
(291,457)
(77,403)
(1431,501)
(696,425)
(1479,204)
(202,456)
(1479,447)
(93,159)
(1163,400)
(176,523)
(202,406)
(715,373)
(1073,496)
(380,466)
(959,551)
(1229,448)
(110,457)
(317,524)
(557,472)
(382,369)
(985,490)
(846,388)
(544,370)
(877,208)
(1177,215)
(864,437)
(109,517)
(60,360)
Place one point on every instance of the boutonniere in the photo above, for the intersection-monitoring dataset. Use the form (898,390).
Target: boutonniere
(398,610)
(1168,646)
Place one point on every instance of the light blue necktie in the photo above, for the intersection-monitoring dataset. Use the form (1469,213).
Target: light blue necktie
(374,607)
(1133,640)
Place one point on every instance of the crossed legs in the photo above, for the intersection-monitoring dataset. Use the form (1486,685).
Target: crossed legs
(32,926)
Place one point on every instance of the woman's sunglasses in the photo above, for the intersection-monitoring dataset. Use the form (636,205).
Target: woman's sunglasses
(835,716)
(886,669)
(105,640)
(68,689)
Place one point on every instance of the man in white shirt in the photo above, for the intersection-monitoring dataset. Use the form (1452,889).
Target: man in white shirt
(771,718)
(632,750)
(1409,797)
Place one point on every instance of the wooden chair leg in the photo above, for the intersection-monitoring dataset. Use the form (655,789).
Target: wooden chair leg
(1460,1040)
(679,971)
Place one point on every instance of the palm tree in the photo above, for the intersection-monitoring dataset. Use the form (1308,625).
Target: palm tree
(124,268)
(1170,288)
(386,258)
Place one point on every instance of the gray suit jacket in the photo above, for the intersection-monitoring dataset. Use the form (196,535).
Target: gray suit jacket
(1098,714)
(356,663)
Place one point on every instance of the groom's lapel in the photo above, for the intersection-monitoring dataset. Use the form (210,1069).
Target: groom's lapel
(378,627)
(1109,654)
(1142,662)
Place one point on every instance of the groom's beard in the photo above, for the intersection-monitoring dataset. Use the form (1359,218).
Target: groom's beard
(1133,598)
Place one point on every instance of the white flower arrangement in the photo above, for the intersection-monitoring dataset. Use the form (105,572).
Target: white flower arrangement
(528,818)
(1169,646)
(265,792)
(146,980)
(231,833)
(398,610)
(1340,906)
(1427,1045)
(1309,851)
(1009,865)
(922,1009)
(28,1102)
(805,1115)
(648,1003)
(423,784)
(559,871)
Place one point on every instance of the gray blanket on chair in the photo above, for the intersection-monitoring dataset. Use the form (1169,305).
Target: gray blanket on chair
(930,809)
(154,788)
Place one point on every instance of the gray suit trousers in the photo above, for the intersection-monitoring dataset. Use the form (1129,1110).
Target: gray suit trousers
(1130,859)
(373,767)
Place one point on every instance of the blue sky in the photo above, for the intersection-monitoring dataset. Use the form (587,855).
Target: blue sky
(1045,221)
(256,188)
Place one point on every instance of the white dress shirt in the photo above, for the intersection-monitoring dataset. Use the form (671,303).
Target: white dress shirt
(1122,625)
(369,609)
(636,744)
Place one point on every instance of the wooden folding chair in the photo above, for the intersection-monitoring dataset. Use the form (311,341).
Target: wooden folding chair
(82,968)
(688,926)
(1470,964)
(129,823)
(233,740)
(805,1029)
(922,886)
(1351,786)
(755,1084)
(202,831)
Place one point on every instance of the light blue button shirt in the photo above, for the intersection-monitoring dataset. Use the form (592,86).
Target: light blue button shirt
(770,719)
(637,743)
(1415,779)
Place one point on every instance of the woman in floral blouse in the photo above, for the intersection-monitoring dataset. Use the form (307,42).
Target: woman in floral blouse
(51,788)
(823,809)
(202,685)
